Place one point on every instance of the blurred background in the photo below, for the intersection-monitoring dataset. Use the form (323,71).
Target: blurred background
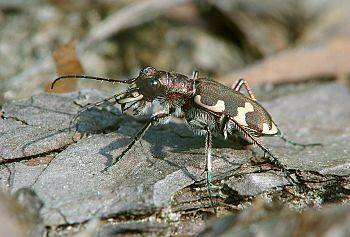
(278,46)
(269,42)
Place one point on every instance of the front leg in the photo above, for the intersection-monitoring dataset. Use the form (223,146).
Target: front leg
(155,119)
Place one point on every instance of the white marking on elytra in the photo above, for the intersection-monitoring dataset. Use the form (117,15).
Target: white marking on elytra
(130,99)
(241,112)
(217,108)
(267,130)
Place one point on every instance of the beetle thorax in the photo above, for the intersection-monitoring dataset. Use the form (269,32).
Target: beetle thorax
(177,83)
(164,85)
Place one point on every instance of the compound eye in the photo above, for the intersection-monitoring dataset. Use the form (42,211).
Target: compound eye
(154,82)
(148,71)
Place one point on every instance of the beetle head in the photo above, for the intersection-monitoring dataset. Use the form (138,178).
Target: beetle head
(146,86)
(150,83)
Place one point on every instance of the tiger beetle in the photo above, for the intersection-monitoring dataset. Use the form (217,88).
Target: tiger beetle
(208,107)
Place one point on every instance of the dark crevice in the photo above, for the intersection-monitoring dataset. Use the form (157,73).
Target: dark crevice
(113,218)
(136,215)
(302,175)
(334,192)
(233,197)
(24,158)
(318,177)
(16,119)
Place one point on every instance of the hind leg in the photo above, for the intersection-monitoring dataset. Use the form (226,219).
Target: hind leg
(239,85)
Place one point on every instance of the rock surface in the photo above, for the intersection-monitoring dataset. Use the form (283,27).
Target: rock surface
(266,219)
(156,186)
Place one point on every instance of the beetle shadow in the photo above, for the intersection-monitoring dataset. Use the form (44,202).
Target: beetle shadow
(178,138)
(108,118)
(198,178)
(95,121)
(107,151)
(174,138)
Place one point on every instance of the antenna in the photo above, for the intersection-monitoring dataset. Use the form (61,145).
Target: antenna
(129,81)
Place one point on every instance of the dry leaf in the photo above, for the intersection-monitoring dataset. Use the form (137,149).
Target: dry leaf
(67,63)
(319,61)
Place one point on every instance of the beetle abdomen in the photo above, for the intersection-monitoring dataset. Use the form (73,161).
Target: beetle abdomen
(222,100)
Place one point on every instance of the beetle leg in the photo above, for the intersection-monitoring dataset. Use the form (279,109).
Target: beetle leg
(194,78)
(274,159)
(208,168)
(195,75)
(154,120)
(125,108)
(294,143)
(279,165)
(238,87)
(249,137)
(223,125)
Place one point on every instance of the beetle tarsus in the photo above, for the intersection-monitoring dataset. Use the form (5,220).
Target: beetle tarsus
(294,143)
(279,165)
(301,187)
(209,178)
(195,74)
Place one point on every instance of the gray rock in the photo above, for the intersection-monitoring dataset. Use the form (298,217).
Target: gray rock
(5,177)
(74,184)
(272,220)
(256,183)
(43,123)
(155,175)
(321,114)
(27,141)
